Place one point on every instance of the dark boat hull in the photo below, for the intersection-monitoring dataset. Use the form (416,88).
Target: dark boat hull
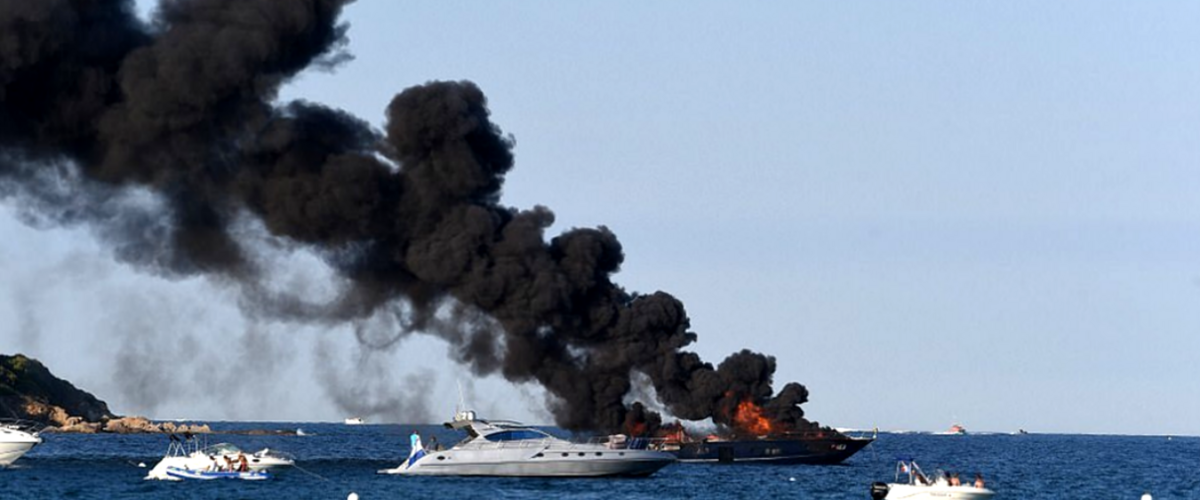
(809,450)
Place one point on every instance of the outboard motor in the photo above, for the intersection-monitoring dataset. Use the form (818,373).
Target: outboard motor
(879,491)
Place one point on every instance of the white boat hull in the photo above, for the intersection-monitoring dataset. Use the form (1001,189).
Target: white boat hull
(940,492)
(523,463)
(14,443)
(10,452)
(181,474)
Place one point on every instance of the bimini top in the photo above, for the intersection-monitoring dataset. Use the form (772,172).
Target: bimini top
(496,430)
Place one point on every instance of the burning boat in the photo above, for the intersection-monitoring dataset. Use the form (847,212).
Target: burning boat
(823,447)
(754,438)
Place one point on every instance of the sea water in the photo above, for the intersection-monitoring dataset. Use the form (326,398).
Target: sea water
(335,459)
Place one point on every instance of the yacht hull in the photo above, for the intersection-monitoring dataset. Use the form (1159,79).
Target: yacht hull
(15,441)
(10,452)
(591,464)
(816,451)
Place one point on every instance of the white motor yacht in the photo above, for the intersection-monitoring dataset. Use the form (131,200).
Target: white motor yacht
(503,448)
(920,486)
(354,421)
(16,438)
(185,459)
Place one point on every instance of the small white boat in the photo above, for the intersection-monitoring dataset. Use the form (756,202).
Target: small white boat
(17,437)
(503,448)
(920,486)
(354,421)
(185,459)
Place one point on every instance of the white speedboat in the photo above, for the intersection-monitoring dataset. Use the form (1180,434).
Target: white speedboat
(502,448)
(185,459)
(354,421)
(920,486)
(16,438)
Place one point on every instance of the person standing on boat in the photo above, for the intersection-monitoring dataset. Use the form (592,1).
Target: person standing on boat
(415,438)
(417,450)
(243,464)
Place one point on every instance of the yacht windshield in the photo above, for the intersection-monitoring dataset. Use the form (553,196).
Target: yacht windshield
(516,435)
(221,449)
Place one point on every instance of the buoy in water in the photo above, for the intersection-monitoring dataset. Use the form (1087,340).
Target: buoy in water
(352,496)
(792,479)
(1146,496)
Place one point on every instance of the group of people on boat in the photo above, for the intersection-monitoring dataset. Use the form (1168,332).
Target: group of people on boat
(415,442)
(950,478)
(239,464)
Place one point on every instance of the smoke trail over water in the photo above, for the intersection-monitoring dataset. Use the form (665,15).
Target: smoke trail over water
(96,104)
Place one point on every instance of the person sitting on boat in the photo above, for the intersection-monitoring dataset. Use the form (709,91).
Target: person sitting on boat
(978,480)
(243,464)
(228,463)
(954,480)
(433,444)
(216,466)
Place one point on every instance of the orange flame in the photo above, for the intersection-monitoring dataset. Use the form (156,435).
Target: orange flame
(749,417)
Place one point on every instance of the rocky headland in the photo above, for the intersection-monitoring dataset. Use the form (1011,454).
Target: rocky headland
(28,391)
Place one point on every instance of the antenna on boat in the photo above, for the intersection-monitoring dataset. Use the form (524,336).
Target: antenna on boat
(462,403)
(460,410)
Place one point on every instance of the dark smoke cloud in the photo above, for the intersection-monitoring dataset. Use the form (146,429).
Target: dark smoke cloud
(409,217)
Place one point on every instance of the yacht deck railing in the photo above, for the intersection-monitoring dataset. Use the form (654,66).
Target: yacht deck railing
(23,425)
(615,443)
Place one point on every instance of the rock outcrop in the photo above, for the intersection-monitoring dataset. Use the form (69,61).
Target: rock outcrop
(29,391)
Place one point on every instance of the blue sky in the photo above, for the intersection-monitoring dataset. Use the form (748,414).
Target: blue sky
(929,212)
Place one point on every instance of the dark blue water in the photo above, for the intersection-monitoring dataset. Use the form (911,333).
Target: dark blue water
(338,459)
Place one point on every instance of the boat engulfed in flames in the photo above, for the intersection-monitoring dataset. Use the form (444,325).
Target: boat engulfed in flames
(753,438)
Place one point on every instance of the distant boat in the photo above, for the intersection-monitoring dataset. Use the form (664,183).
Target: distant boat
(354,421)
(955,430)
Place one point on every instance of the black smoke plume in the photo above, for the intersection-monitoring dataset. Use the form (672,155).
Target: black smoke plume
(184,107)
